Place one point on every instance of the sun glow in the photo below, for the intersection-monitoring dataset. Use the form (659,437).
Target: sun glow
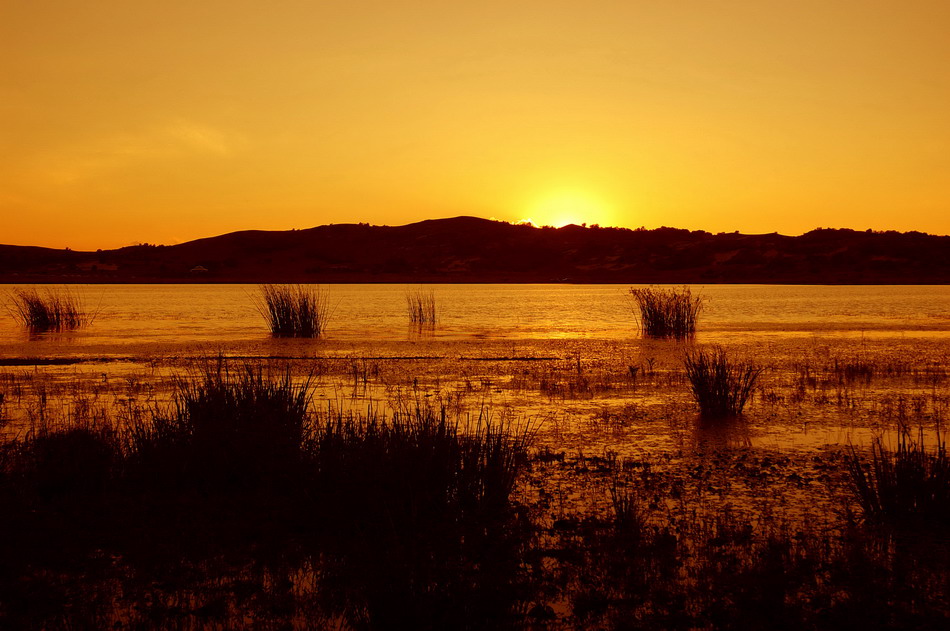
(568,207)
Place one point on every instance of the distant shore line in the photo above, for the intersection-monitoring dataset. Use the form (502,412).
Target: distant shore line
(73,280)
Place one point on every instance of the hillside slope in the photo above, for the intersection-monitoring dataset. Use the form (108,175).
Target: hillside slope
(468,249)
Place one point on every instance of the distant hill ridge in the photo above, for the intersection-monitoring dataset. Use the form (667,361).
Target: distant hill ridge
(469,249)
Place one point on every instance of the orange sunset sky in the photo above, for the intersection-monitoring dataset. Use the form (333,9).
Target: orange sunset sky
(125,122)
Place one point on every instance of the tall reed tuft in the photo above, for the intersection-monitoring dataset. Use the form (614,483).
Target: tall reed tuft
(416,468)
(628,510)
(667,313)
(421,306)
(294,310)
(237,427)
(719,385)
(910,485)
(50,310)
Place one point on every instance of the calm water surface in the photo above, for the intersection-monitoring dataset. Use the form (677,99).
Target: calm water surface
(157,315)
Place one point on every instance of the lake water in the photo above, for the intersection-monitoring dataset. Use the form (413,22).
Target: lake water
(133,318)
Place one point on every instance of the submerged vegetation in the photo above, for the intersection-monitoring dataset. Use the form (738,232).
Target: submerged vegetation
(667,313)
(294,310)
(421,306)
(49,310)
(719,385)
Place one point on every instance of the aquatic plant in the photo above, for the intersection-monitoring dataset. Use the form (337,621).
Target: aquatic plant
(628,511)
(667,313)
(239,425)
(68,455)
(418,466)
(294,310)
(722,570)
(421,306)
(50,310)
(720,386)
(406,519)
(909,485)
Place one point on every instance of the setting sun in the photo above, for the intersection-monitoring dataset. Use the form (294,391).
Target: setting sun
(565,207)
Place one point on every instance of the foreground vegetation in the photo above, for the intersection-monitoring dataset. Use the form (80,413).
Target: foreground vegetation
(241,502)
(389,510)
(907,486)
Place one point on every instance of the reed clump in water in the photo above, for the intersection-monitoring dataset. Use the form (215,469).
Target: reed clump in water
(667,313)
(720,386)
(421,305)
(50,310)
(906,486)
(294,310)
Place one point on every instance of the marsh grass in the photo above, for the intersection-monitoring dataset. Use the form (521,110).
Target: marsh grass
(720,386)
(725,571)
(239,425)
(50,310)
(421,306)
(417,467)
(294,310)
(420,500)
(239,501)
(906,486)
(667,313)
(629,516)
(402,520)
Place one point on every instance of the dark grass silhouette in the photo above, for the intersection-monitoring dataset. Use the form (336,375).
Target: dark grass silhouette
(667,313)
(391,521)
(907,486)
(643,569)
(49,310)
(240,427)
(421,306)
(418,465)
(398,521)
(424,500)
(294,310)
(720,386)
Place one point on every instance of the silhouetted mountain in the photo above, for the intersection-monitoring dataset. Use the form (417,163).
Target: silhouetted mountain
(468,249)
